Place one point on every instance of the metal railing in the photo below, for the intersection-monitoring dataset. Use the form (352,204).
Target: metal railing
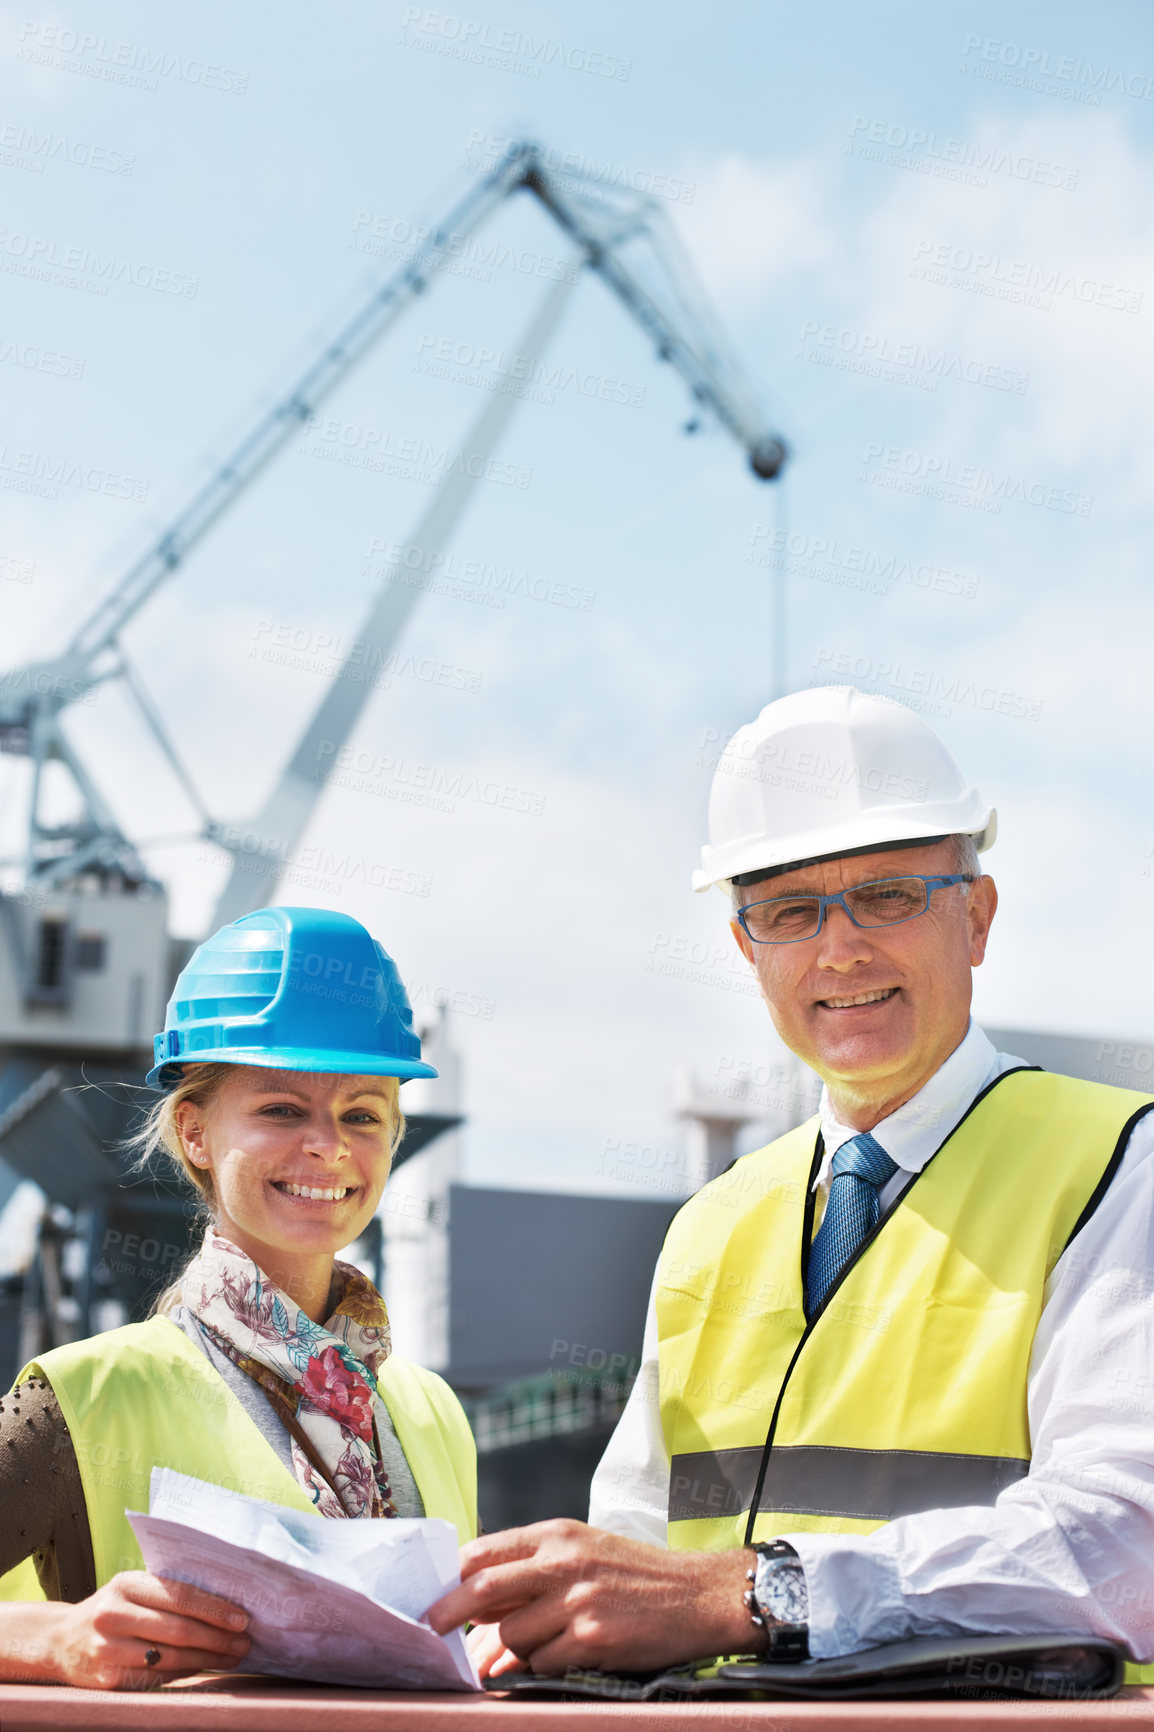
(558,1404)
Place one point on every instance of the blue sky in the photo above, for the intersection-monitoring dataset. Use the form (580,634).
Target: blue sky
(928,232)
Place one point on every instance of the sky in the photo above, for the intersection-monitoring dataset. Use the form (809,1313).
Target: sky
(927,233)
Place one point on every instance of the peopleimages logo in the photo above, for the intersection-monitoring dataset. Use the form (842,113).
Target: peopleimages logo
(518,375)
(914,147)
(1018,279)
(938,476)
(37,360)
(780,763)
(927,689)
(856,567)
(412,458)
(508,50)
(1066,69)
(475,580)
(906,361)
(49,260)
(435,786)
(306,650)
(131,63)
(15,570)
(468,255)
(38,473)
(23,147)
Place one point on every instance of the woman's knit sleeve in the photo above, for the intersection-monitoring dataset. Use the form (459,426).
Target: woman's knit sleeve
(42,1509)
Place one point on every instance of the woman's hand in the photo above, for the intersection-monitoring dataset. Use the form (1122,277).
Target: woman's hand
(489,1653)
(101,1643)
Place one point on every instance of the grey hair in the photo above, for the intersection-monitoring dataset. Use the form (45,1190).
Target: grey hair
(965,852)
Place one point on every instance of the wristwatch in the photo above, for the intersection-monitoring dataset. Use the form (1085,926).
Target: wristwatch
(778,1600)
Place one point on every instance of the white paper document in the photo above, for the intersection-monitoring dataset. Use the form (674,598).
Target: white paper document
(337,1602)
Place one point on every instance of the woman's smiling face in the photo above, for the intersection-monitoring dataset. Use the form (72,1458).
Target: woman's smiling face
(298,1160)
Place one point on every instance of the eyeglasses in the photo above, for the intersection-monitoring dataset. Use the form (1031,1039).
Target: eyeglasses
(886,902)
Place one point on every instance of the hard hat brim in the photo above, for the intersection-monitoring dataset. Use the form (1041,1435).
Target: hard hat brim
(860,838)
(163,1076)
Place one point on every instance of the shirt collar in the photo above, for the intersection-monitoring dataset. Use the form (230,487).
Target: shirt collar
(918,1129)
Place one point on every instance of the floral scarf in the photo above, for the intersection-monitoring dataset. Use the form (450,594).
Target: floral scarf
(322,1376)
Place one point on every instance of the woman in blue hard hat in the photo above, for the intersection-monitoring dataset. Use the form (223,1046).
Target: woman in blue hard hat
(268,1366)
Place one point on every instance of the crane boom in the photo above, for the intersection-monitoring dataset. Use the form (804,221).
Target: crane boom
(274,430)
(710,372)
(623,237)
(286,812)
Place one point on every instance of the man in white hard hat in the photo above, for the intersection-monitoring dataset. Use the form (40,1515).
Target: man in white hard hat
(896,1377)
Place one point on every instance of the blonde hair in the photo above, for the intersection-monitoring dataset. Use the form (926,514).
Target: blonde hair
(159,1135)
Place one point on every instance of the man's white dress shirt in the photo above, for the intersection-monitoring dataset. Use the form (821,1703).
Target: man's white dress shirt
(1069,1548)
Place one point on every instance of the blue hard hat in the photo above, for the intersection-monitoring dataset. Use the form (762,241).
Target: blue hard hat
(290,989)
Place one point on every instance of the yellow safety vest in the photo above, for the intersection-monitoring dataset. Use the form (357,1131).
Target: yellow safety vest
(145,1396)
(907,1391)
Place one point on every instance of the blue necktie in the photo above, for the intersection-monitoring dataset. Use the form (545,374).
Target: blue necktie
(860,1167)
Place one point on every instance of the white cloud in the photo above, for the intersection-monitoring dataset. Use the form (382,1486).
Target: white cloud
(753,224)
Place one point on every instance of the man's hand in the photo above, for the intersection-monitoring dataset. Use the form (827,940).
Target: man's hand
(100,1643)
(563,1594)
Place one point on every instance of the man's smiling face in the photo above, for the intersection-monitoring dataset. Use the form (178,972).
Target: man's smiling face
(874,1011)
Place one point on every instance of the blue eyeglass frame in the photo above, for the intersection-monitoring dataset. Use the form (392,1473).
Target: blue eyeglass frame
(839,897)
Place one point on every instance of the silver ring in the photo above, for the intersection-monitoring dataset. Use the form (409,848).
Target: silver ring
(152,1656)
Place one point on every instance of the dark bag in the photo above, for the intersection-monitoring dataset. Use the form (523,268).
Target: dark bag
(1058,1668)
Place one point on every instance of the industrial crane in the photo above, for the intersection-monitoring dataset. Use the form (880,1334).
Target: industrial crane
(85,957)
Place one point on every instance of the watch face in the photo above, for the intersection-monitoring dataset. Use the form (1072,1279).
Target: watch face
(781,1591)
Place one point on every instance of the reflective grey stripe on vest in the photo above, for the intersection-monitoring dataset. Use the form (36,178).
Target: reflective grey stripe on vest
(813,1479)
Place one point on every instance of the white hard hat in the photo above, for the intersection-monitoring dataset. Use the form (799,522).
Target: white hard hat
(833,771)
